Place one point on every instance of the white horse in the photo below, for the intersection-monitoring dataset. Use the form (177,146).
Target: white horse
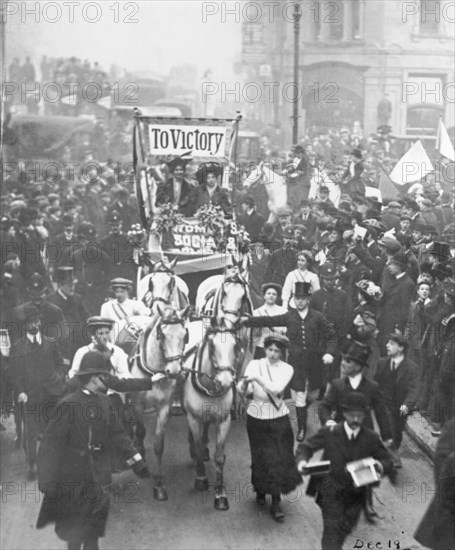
(275,186)
(160,348)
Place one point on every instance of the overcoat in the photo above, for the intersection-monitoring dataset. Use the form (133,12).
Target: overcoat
(74,463)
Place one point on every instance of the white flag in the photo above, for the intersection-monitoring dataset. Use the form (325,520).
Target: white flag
(413,166)
(443,143)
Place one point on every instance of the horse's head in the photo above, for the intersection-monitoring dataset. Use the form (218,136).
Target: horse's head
(233,295)
(172,335)
(162,282)
(224,350)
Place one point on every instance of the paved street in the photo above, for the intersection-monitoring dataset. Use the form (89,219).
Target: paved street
(188,519)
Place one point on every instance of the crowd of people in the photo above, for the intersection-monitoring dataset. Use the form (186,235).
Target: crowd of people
(350,296)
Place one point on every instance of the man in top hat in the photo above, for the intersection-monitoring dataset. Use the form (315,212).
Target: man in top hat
(37,377)
(398,379)
(313,346)
(352,178)
(176,189)
(209,190)
(74,459)
(340,501)
(52,319)
(397,294)
(73,308)
(333,303)
(122,306)
(250,219)
(118,248)
(283,260)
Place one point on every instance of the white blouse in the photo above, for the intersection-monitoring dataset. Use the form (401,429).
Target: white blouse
(276,377)
(294,277)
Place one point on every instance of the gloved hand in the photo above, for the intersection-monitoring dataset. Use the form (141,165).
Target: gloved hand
(157,377)
(22,398)
(141,470)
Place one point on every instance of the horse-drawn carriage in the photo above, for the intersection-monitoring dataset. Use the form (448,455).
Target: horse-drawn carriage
(197,296)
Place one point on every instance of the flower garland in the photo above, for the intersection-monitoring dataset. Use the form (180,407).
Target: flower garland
(167,217)
(212,218)
(136,235)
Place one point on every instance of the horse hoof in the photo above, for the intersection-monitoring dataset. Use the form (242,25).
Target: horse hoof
(221,503)
(201,483)
(159,493)
(206,455)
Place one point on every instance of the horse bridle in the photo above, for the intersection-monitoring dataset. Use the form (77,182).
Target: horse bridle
(238,279)
(211,348)
(160,337)
(162,269)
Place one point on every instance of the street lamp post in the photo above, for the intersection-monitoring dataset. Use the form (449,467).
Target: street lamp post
(295,110)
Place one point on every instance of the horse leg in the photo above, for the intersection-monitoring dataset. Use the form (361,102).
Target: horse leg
(221,500)
(201,482)
(205,441)
(159,490)
(135,416)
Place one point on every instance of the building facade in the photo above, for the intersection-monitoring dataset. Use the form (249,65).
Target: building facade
(372,61)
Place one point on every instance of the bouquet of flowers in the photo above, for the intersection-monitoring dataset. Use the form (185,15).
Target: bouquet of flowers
(136,235)
(166,219)
(212,218)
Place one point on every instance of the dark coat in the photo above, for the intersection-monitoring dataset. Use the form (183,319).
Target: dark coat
(37,370)
(65,463)
(252,223)
(437,528)
(340,450)
(76,315)
(200,196)
(309,223)
(52,320)
(394,306)
(408,383)
(59,250)
(331,406)
(353,184)
(165,194)
(391,220)
(121,255)
(334,306)
(281,262)
(309,340)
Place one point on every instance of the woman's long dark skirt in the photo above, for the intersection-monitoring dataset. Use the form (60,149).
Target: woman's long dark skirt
(273,468)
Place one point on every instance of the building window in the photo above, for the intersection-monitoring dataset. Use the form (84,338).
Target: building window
(430,17)
(338,20)
(422,120)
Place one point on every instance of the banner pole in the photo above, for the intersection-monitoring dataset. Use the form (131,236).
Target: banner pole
(238,118)
(141,145)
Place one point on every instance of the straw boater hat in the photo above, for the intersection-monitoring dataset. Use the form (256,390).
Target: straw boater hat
(276,338)
(97,322)
(120,282)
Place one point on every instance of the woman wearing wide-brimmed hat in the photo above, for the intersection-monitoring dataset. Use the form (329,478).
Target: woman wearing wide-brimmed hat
(271,293)
(273,469)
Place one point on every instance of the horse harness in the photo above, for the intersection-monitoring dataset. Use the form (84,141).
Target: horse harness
(162,269)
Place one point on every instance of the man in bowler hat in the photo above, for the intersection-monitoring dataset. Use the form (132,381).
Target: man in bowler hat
(341,502)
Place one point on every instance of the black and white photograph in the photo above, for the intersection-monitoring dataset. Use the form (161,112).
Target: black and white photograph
(227,275)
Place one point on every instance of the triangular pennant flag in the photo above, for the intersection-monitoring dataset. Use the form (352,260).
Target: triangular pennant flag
(386,185)
(105,102)
(413,166)
(443,143)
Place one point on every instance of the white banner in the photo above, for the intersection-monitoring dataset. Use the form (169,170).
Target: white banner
(194,141)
